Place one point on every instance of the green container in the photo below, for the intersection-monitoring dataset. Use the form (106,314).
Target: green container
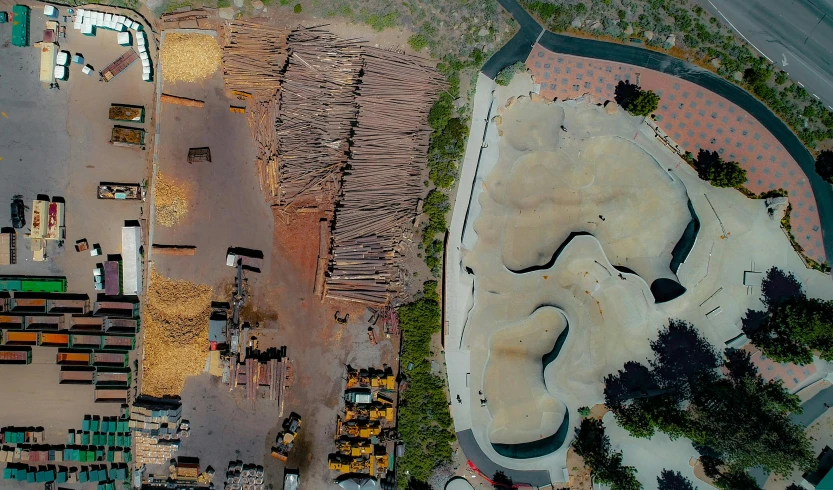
(95,424)
(62,477)
(20,25)
(83,476)
(85,438)
(111,439)
(7,473)
(22,474)
(31,477)
(4,17)
(85,425)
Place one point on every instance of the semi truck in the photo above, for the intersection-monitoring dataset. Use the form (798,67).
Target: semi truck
(79,375)
(15,355)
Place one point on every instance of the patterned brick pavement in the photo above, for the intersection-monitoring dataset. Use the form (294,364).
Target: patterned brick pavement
(694,118)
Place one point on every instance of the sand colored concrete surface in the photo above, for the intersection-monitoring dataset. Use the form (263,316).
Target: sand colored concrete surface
(523,411)
(579,181)
(528,244)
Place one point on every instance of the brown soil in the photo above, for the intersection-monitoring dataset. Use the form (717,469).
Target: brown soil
(579,474)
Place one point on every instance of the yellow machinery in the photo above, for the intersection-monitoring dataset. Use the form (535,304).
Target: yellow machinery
(379,413)
(352,378)
(238,110)
(347,464)
(355,412)
(358,428)
(382,381)
(354,448)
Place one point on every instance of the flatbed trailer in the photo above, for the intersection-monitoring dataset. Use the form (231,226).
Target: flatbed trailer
(112,190)
(126,136)
(118,66)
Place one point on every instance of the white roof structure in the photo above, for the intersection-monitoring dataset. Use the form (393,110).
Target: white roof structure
(131,243)
(458,483)
(60,72)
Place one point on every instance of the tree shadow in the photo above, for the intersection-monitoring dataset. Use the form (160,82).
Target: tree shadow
(705,160)
(624,92)
(418,485)
(752,321)
(502,480)
(673,480)
(824,165)
(633,381)
(779,285)
(739,365)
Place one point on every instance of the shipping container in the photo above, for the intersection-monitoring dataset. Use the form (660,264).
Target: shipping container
(111,395)
(85,340)
(77,306)
(27,305)
(12,322)
(86,324)
(33,284)
(21,338)
(121,325)
(111,359)
(112,278)
(110,375)
(77,357)
(20,26)
(118,309)
(15,355)
(131,244)
(77,375)
(44,322)
(54,339)
(118,342)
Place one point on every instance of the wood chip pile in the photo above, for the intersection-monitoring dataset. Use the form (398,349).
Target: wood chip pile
(170,201)
(176,334)
(254,57)
(383,185)
(189,57)
(317,110)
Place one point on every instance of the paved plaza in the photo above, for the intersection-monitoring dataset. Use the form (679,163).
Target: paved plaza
(694,118)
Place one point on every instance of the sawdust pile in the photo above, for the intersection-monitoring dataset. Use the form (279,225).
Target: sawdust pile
(171,203)
(176,334)
(189,57)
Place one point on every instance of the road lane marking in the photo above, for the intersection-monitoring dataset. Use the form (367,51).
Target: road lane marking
(816,96)
(800,84)
(741,34)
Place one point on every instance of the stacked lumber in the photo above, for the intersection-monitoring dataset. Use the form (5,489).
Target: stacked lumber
(261,117)
(176,100)
(254,56)
(316,114)
(383,184)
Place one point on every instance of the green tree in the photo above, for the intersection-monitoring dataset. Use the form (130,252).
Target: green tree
(592,444)
(643,103)
(796,327)
(673,480)
(297,8)
(824,165)
(719,172)
(584,412)
(757,76)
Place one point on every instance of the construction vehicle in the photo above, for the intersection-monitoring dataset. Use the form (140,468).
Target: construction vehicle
(354,447)
(363,429)
(241,95)
(347,464)
(355,412)
(359,396)
(379,413)
(286,438)
(291,479)
(385,381)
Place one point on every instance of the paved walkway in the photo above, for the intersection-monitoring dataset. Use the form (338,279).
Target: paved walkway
(695,118)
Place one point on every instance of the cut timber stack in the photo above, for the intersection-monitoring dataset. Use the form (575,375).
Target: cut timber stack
(254,56)
(317,110)
(383,185)
(261,117)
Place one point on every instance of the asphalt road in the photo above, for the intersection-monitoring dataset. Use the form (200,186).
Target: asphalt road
(796,35)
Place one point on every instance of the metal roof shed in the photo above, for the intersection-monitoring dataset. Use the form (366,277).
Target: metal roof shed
(131,244)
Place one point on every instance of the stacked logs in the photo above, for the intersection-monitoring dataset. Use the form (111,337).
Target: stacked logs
(261,116)
(383,183)
(316,114)
(254,57)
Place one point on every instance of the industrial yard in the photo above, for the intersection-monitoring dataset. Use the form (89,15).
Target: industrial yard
(245,241)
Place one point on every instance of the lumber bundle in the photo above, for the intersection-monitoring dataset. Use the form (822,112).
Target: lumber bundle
(254,56)
(383,183)
(261,116)
(176,100)
(316,114)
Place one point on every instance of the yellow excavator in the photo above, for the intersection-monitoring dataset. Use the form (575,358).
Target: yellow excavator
(358,428)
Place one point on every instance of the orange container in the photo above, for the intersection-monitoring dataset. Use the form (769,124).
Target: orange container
(54,339)
(22,338)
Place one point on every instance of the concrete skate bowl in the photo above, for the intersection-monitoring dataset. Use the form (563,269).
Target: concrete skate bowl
(527,421)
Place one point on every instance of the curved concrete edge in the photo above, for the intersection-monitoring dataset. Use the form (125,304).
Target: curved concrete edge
(483,464)
(652,60)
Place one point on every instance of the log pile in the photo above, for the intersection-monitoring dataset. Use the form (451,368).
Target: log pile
(261,116)
(383,183)
(316,113)
(254,57)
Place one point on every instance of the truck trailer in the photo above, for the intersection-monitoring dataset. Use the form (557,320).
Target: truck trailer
(74,357)
(81,375)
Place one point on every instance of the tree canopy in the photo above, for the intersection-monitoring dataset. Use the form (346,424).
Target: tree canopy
(824,165)
(673,480)
(505,76)
(592,444)
(635,100)
(795,328)
(719,172)
(738,418)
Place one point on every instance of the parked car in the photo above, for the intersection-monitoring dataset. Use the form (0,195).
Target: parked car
(18,212)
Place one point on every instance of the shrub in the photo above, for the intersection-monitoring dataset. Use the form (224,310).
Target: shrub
(504,77)
(417,42)
(719,172)
(297,8)
(643,103)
